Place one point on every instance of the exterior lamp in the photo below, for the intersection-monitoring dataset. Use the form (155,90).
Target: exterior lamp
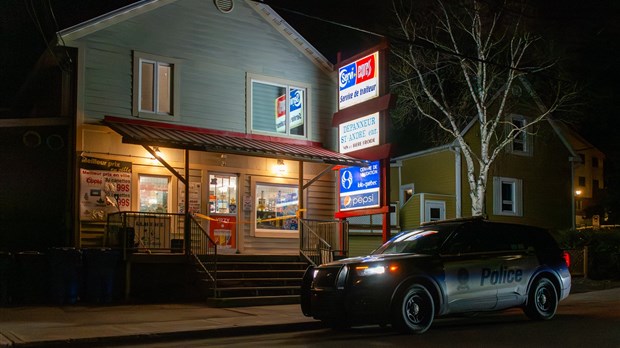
(578,193)
(280,167)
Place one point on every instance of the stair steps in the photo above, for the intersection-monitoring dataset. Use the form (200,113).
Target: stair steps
(256,280)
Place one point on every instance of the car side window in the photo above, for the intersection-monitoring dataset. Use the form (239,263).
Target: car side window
(466,240)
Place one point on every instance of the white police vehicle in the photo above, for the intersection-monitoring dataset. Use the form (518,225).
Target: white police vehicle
(450,267)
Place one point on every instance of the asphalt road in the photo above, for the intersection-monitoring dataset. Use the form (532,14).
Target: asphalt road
(583,320)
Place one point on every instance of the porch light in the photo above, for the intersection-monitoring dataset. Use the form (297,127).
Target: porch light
(578,193)
(158,154)
(280,167)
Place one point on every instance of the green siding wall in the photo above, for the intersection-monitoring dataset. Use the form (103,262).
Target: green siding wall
(431,173)
(546,182)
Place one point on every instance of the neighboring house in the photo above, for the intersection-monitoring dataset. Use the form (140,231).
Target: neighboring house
(530,183)
(237,94)
(588,178)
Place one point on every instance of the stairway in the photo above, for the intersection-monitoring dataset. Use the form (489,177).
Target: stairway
(257,280)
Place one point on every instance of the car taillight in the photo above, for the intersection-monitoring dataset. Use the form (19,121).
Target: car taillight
(566,257)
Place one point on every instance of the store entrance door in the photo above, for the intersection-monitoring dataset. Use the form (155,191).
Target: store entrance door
(223,203)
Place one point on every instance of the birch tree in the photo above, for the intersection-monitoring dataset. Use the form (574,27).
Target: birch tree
(456,68)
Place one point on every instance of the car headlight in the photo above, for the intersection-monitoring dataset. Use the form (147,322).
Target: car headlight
(368,271)
(365,270)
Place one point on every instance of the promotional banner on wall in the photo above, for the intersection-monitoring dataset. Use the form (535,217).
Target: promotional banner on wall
(105,187)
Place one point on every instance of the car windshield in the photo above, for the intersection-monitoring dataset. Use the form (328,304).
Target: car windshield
(422,241)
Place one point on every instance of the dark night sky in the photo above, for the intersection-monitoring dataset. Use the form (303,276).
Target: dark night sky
(583,34)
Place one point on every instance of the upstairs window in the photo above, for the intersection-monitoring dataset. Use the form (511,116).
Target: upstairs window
(507,196)
(156,87)
(521,143)
(594,162)
(582,181)
(277,107)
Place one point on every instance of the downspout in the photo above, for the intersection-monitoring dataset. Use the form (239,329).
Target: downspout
(571,159)
(457,178)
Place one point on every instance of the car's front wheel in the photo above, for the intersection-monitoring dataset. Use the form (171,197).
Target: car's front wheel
(543,300)
(414,310)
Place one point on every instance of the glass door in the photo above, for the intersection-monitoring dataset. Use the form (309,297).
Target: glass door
(223,208)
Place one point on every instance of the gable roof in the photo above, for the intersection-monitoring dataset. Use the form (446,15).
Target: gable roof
(555,125)
(127,12)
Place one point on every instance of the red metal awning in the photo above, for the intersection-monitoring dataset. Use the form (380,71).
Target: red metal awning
(150,133)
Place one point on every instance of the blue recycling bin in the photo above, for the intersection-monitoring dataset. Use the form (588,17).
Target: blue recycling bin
(101,265)
(65,275)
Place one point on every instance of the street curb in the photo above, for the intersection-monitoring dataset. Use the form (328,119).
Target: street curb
(163,336)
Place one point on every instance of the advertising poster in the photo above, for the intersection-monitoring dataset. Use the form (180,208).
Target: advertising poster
(296,110)
(195,196)
(105,187)
(223,230)
(281,114)
(360,187)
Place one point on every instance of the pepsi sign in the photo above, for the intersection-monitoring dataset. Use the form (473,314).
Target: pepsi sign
(358,81)
(359,187)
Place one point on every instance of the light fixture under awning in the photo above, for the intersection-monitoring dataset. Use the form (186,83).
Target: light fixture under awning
(149,133)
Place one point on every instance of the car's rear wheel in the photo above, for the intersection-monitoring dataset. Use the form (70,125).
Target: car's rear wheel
(543,300)
(414,310)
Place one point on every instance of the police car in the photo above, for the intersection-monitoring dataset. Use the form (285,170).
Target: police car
(450,267)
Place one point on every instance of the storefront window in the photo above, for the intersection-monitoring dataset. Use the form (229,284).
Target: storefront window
(154,193)
(276,207)
(222,194)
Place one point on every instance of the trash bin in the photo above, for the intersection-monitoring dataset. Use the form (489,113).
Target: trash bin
(100,274)
(6,276)
(65,275)
(32,277)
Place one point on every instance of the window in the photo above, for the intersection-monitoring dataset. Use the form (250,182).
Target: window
(277,107)
(435,210)
(582,181)
(507,196)
(156,87)
(154,193)
(594,162)
(406,192)
(521,144)
(275,210)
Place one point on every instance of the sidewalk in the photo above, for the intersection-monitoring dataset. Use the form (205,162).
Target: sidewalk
(89,325)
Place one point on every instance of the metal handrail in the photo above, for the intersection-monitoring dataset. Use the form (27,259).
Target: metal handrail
(317,238)
(201,244)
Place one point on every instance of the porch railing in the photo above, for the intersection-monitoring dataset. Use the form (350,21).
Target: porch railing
(322,241)
(161,233)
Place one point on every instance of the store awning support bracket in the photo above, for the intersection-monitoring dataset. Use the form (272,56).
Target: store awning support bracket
(166,164)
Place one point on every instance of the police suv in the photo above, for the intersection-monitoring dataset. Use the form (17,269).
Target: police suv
(450,267)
